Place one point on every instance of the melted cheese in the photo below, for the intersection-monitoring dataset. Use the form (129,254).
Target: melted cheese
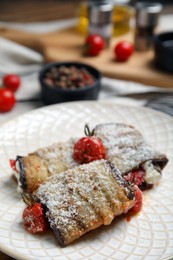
(152,176)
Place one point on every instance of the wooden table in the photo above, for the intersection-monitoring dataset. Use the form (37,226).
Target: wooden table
(5,257)
(37,10)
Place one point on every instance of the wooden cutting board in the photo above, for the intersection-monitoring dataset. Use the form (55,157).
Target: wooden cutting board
(67,45)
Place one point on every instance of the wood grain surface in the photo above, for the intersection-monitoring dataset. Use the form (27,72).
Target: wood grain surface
(37,10)
(67,45)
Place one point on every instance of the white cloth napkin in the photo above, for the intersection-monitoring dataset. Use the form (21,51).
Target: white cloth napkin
(15,58)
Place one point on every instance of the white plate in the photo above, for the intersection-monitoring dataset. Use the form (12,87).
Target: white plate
(148,235)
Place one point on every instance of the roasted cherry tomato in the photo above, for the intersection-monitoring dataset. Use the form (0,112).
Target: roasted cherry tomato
(33,218)
(89,149)
(123,50)
(7,100)
(13,165)
(138,204)
(94,44)
(136,176)
(12,82)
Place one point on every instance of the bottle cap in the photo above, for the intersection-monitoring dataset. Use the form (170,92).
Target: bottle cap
(100,12)
(121,2)
(147,14)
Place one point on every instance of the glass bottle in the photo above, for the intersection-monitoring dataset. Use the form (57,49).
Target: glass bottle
(147,15)
(122,15)
(82,25)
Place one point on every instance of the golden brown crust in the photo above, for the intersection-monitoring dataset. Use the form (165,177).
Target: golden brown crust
(84,198)
(35,171)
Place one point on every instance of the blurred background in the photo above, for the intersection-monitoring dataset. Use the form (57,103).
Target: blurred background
(47,10)
(36,10)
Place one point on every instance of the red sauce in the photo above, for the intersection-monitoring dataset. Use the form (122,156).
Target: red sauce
(136,176)
(13,165)
(138,203)
(34,219)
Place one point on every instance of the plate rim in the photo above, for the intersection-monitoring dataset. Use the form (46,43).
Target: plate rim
(106,102)
(5,249)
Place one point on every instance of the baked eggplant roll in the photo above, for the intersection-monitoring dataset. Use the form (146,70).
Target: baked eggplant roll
(32,170)
(125,148)
(84,198)
(130,153)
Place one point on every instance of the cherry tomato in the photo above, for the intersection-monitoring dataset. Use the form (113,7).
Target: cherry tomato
(136,176)
(138,204)
(89,149)
(7,100)
(33,218)
(12,82)
(13,165)
(123,50)
(94,44)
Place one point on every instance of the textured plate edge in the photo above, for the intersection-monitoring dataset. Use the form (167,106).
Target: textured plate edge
(108,103)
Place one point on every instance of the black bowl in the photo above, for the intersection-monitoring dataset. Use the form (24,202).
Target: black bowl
(163,47)
(52,95)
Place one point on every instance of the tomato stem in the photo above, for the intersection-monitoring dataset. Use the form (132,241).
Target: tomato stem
(87,130)
(28,199)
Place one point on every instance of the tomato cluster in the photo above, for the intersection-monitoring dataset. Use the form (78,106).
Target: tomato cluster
(95,43)
(11,83)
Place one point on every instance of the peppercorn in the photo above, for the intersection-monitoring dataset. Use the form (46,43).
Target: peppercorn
(68,77)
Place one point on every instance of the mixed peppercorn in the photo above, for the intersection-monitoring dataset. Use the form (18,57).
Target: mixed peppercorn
(68,77)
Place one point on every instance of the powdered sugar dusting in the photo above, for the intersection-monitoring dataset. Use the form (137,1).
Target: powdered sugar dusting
(59,157)
(125,146)
(83,198)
